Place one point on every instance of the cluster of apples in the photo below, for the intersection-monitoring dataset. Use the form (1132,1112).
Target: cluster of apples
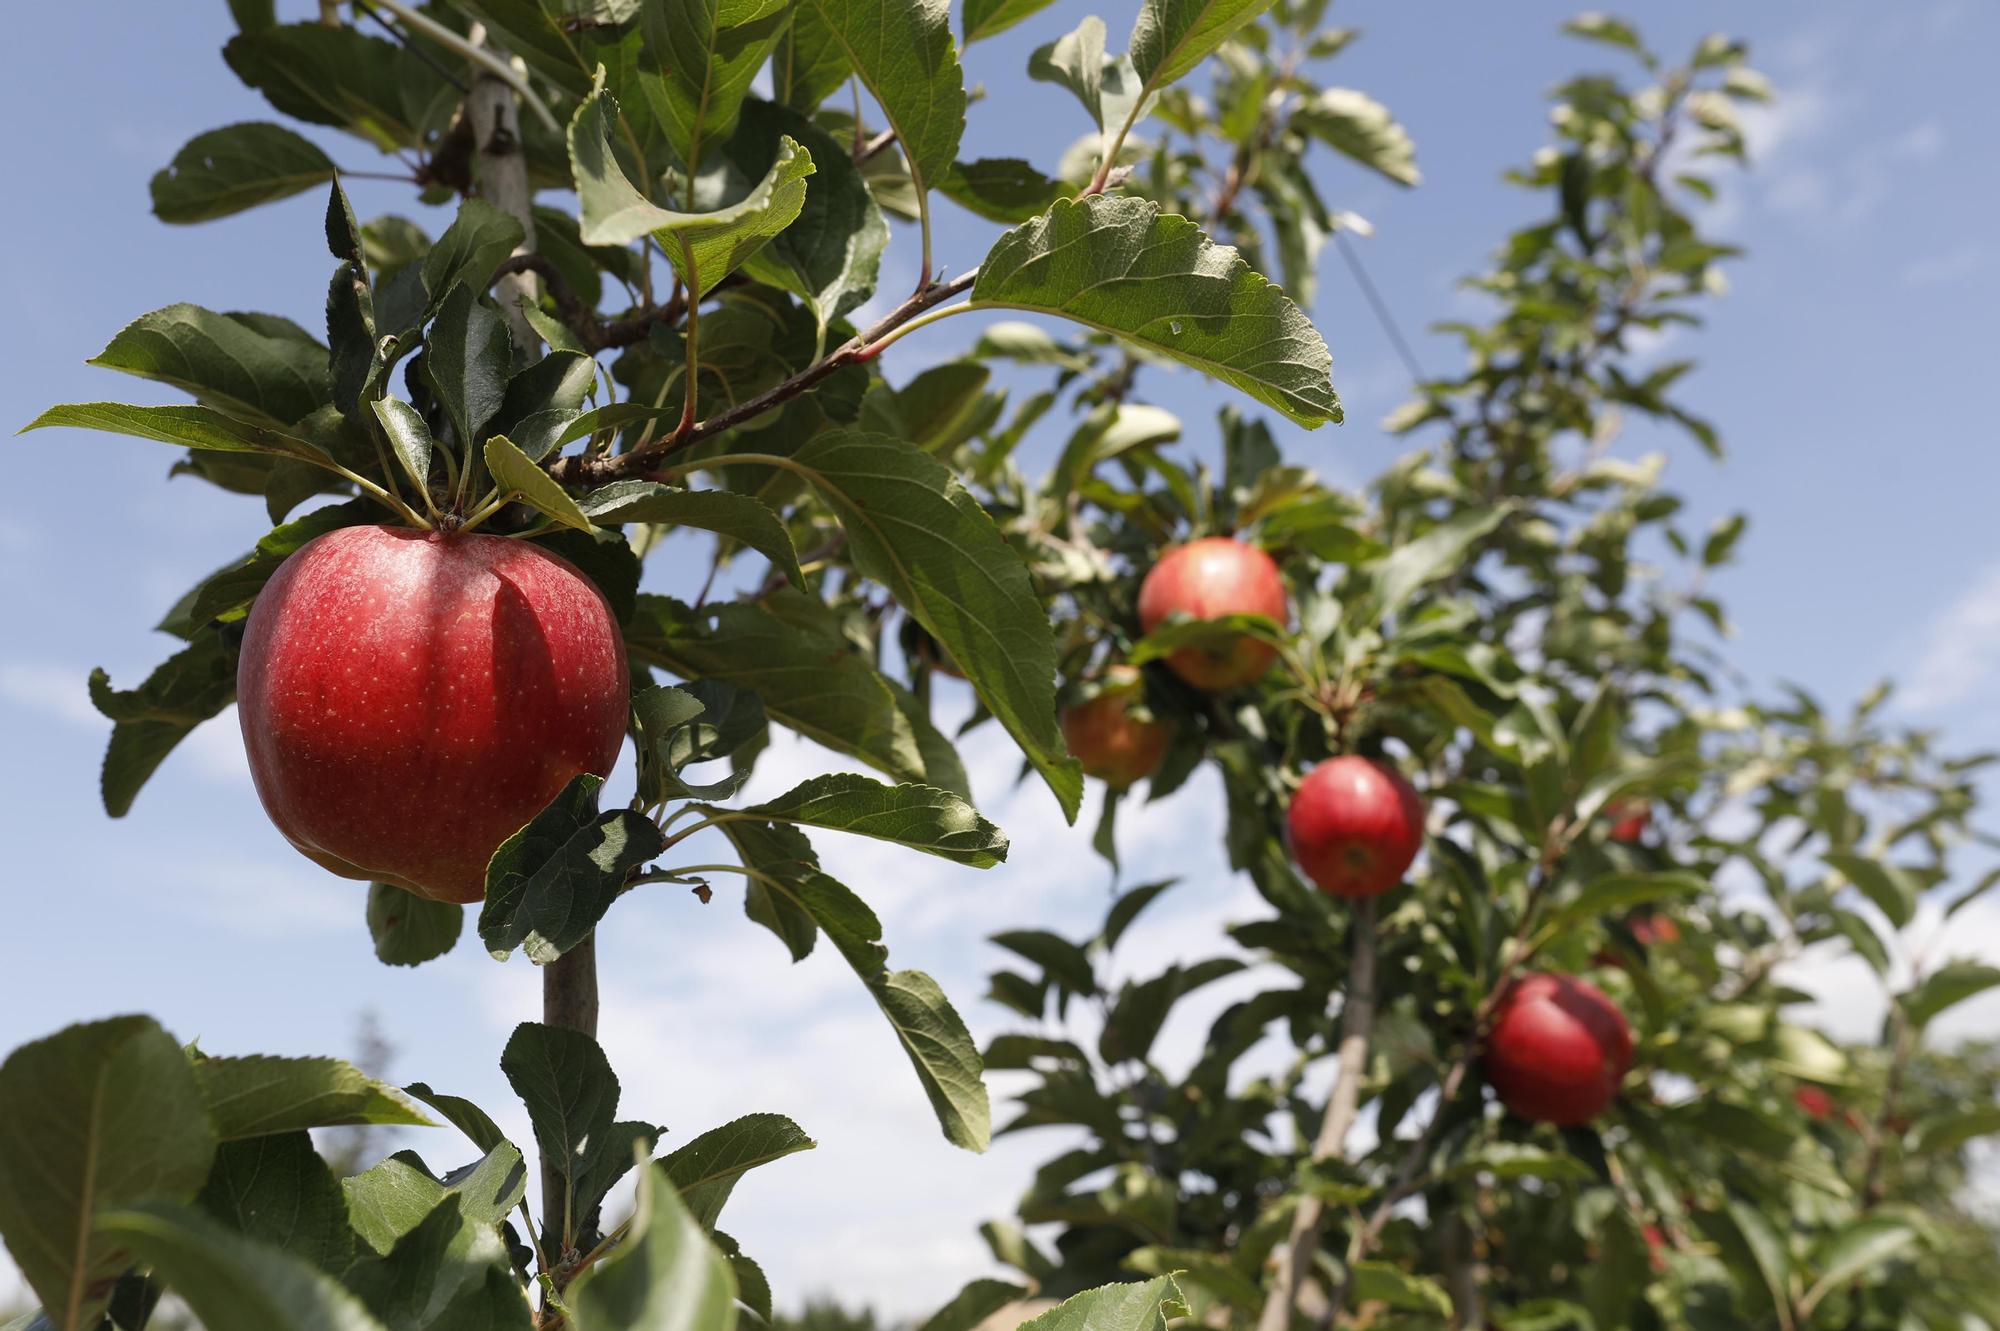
(410,699)
(1557,1047)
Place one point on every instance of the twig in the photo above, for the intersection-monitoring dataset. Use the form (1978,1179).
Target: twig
(477,54)
(860,349)
(1357,1026)
(874,146)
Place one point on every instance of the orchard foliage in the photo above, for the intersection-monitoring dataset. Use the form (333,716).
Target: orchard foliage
(645,319)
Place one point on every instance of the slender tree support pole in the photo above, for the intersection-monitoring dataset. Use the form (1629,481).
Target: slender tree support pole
(501,169)
(1357,1026)
(569,984)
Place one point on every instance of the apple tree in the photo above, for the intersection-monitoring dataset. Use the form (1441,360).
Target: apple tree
(1505,647)
(644,324)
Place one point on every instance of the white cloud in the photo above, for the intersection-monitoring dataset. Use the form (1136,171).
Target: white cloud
(1961,648)
(53,690)
(1850,1000)
(1946,266)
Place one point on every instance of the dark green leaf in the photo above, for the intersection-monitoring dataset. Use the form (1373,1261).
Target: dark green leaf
(188,427)
(260,1095)
(666,1276)
(705,1170)
(278,1191)
(517,475)
(725,512)
(1355,124)
(1002,189)
(1887,885)
(1148,1306)
(551,882)
(225,361)
(572,1098)
(408,929)
(1946,987)
(912,527)
(466,362)
(1123,267)
(920,817)
(230,1282)
(903,51)
(93,1118)
(228,170)
(1171,37)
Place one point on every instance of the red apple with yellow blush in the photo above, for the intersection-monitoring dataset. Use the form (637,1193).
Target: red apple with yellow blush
(1109,737)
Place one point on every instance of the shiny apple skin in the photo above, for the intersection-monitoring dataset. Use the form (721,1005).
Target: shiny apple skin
(1113,745)
(409,700)
(1355,826)
(1558,1049)
(1207,579)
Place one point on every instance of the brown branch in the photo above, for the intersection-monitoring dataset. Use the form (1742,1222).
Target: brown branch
(579,469)
(596,334)
(1357,1026)
(874,146)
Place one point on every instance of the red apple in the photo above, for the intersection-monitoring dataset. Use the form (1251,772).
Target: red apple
(1816,1103)
(1355,825)
(1208,579)
(1629,820)
(1111,742)
(1557,1050)
(1656,1247)
(1656,928)
(409,700)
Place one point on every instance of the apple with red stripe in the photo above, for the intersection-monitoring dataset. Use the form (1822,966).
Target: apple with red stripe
(410,699)
(1355,826)
(1209,579)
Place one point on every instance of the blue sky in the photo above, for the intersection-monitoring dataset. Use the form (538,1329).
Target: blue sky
(1842,370)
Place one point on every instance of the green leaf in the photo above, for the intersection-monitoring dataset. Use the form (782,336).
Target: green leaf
(1171,37)
(1948,1132)
(467,361)
(422,1275)
(1060,959)
(340,76)
(549,884)
(479,238)
(1887,885)
(903,52)
(95,1117)
(188,427)
(1615,892)
(972,1305)
(408,929)
(398,1194)
(477,1125)
(704,248)
(1141,1009)
(230,1282)
(185,690)
(705,1171)
(798,897)
(1126,909)
(1520,1160)
(830,256)
(1146,1306)
(913,528)
(665,1276)
(1002,189)
(237,167)
(517,475)
(1355,124)
(808,66)
(1946,987)
(920,817)
(702,55)
(261,1094)
(1438,553)
(226,361)
(1121,266)
(572,1098)
(724,512)
(1603,28)
(279,1191)
(810,678)
(1751,1247)
(343,230)
(985,18)
(408,436)
(1843,1256)
(1386,1283)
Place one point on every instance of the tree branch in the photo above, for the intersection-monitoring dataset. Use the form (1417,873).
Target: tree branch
(579,469)
(596,334)
(1357,1027)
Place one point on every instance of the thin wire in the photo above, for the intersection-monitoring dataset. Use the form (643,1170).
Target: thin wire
(1381,308)
(419,52)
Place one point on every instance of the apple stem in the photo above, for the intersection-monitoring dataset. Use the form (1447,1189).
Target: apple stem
(1357,1027)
